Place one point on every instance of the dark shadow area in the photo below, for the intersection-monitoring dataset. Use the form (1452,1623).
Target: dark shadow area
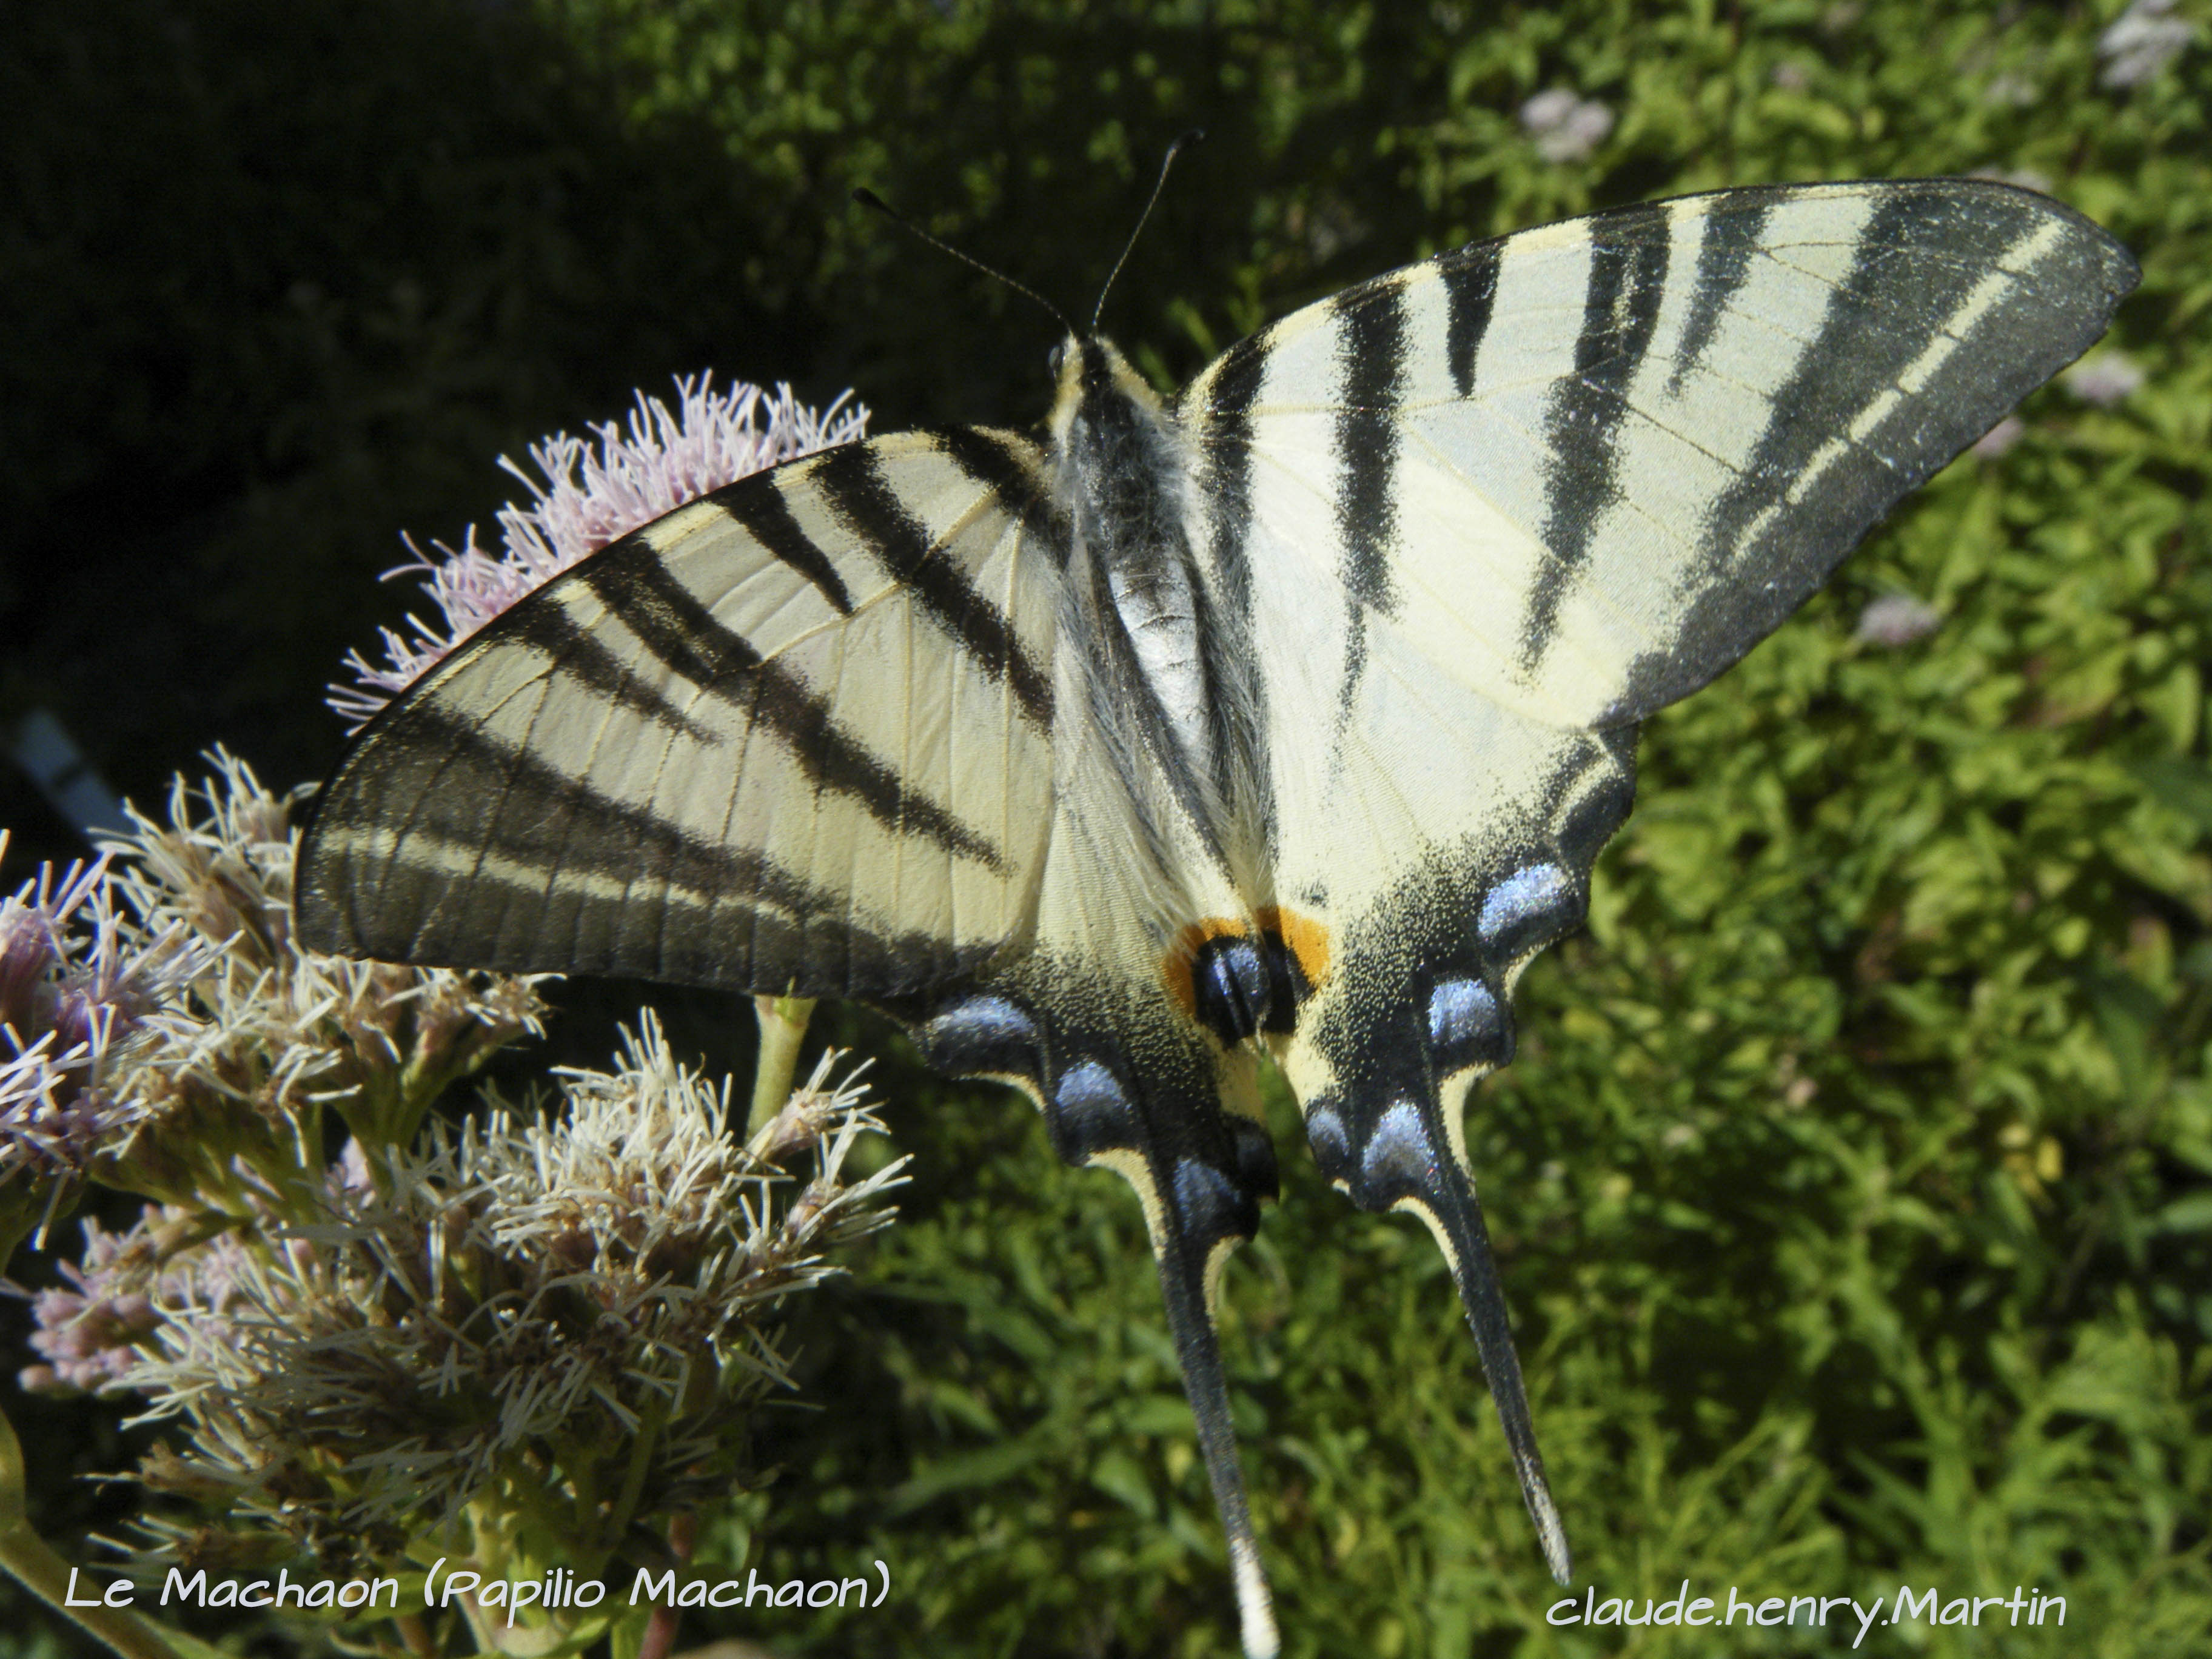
(284,280)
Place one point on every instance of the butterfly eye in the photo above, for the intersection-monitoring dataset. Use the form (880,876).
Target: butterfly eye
(1054,358)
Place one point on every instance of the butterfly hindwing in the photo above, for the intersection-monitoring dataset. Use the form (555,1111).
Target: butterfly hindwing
(795,737)
(1097,1023)
(1128,1085)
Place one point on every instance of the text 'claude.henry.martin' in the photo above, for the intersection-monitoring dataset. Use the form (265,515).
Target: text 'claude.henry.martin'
(1928,1606)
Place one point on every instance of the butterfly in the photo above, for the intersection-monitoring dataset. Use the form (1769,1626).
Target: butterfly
(1279,720)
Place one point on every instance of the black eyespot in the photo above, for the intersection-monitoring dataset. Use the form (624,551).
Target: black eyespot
(1256,1174)
(1229,981)
(1209,1205)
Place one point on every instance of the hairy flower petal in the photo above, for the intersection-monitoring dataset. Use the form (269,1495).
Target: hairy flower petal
(593,493)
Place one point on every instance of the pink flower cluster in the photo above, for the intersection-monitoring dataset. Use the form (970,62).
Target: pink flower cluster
(1565,126)
(594,494)
(2141,43)
(78,984)
(93,1335)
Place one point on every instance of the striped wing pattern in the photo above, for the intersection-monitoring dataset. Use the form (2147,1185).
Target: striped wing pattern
(1482,515)
(795,737)
(1309,764)
(1583,469)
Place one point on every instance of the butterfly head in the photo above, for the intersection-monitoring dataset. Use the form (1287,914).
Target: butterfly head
(1097,398)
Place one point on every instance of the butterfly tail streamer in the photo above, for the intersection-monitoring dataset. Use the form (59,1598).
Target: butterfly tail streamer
(1408,1161)
(1455,1215)
(1199,1172)
(1184,1272)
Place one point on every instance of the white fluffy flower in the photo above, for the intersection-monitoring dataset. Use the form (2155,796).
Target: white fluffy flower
(593,495)
(1565,126)
(2105,380)
(582,1291)
(2142,40)
(278,1032)
(1895,619)
(84,989)
(95,1335)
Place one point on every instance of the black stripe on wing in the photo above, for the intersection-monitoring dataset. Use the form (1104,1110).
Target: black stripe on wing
(1876,325)
(1225,466)
(1925,249)
(551,631)
(1004,465)
(853,484)
(438,845)
(758,505)
(1733,228)
(1470,280)
(1628,257)
(652,601)
(1224,473)
(1372,352)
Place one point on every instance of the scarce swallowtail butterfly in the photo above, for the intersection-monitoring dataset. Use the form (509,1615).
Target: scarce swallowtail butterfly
(1283,718)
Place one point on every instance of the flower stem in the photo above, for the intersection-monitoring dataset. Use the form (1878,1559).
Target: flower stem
(660,1629)
(416,1634)
(782,1025)
(33,1563)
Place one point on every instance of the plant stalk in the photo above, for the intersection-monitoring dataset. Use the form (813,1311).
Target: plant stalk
(35,1564)
(782,1027)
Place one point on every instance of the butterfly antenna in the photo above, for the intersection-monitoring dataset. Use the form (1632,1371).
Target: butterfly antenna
(1158,184)
(868,198)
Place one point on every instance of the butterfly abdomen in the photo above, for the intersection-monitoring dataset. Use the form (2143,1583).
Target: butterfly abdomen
(1119,475)
(1170,692)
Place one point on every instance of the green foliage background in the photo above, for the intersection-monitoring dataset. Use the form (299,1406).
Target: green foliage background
(1851,1184)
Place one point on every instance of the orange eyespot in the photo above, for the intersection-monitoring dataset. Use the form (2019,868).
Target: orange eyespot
(1282,933)
(1306,939)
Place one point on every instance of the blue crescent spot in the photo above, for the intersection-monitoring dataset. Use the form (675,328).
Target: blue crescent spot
(1523,894)
(984,1022)
(1090,1112)
(1461,1013)
(1325,1134)
(1399,1151)
(1089,1087)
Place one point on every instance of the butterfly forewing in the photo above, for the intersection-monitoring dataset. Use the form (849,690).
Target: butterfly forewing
(795,737)
(1474,511)
(1585,468)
